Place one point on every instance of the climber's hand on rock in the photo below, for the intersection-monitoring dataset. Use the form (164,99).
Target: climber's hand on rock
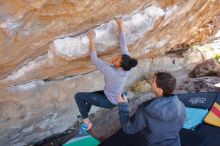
(91,35)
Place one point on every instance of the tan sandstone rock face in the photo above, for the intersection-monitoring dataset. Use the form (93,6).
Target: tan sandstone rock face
(44,56)
(30,49)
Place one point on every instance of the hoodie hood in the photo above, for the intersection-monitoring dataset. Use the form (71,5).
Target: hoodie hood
(165,108)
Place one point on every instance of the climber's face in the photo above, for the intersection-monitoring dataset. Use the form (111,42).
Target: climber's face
(116,61)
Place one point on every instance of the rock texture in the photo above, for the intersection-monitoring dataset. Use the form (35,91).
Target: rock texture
(44,56)
(39,109)
(209,67)
(201,84)
(30,50)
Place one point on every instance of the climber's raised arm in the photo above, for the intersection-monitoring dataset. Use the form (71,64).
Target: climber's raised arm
(101,65)
(122,38)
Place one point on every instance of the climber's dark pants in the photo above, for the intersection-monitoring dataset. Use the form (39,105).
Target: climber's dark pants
(85,100)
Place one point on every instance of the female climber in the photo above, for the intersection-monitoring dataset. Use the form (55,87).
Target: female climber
(115,75)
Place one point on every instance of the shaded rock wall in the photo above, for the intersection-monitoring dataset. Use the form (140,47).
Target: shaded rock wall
(44,55)
(38,109)
(209,67)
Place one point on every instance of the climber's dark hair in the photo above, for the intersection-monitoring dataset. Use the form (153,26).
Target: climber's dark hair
(127,62)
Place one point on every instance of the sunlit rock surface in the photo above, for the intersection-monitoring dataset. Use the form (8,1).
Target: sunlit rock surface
(44,56)
(51,43)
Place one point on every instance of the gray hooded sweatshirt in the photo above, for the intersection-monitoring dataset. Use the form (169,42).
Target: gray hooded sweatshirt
(159,120)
